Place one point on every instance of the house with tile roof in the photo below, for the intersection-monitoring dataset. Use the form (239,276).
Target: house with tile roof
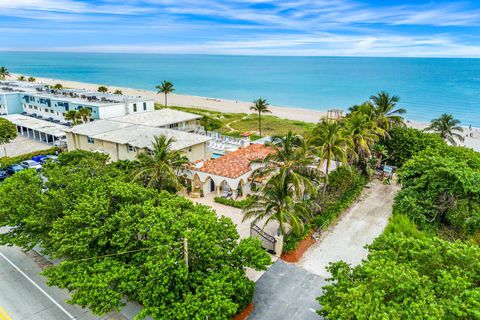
(230,173)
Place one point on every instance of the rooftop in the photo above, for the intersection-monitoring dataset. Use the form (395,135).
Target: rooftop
(157,118)
(136,135)
(78,96)
(236,163)
(44,126)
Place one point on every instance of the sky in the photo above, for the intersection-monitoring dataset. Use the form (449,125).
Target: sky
(445,28)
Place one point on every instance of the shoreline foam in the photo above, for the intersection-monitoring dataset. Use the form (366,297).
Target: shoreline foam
(233,106)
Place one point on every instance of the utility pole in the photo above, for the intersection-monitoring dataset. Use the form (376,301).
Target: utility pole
(185,251)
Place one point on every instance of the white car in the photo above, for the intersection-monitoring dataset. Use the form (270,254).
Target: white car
(30,164)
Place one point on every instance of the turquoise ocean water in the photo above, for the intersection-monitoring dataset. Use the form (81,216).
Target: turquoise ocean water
(427,86)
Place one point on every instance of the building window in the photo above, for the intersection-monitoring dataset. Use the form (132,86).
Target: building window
(173,125)
(90,140)
(35,107)
(30,106)
(132,149)
(134,107)
(144,106)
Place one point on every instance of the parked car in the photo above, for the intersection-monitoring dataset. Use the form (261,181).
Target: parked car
(14,168)
(3,175)
(30,164)
(49,157)
(38,158)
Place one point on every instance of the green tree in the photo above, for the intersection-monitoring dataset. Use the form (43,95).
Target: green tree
(280,200)
(118,92)
(260,106)
(31,79)
(8,131)
(165,87)
(4,73)
(447,127)
(118,240)
(102,89)
(21,78)
(58,86)
(84,114)
(162,167)
(210,124)
(73,116)
(385,109)
(406,278)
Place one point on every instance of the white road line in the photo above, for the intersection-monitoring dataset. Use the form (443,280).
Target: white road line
(38,287)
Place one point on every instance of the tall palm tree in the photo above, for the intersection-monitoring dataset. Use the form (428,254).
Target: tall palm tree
(279,201)
(260,106)
(73,116)
(4,73)
(21,78)
(161,168)
(165,87)
(331,143)
(364,133)
(386,112)
(102,89)
(84,114)
(31,79)
(447,127)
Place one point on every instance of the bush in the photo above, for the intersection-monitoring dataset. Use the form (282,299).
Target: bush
(234,203)
(6,161)
(401,224)
(404,143)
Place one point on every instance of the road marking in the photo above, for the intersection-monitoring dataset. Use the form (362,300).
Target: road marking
(4,315)
(38,287)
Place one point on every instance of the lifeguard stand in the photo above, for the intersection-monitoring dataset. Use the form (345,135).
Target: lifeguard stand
(334,114)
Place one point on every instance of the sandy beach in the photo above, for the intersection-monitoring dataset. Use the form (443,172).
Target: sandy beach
(225,105)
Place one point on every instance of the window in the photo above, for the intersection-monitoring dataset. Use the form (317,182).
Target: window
(144,106)
(30,106)
(132,149)
(35,107)
(134,107)
(173,125)
(52,111)
(90,140)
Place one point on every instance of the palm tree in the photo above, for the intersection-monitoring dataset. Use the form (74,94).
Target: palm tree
(4,73)
(58,86)
(279,201)
(364,133)
(166,87)
(447,127)
(118,92)
(31,79)
(84,114)
(21,78)
(73,116)
(386,111)
(209,123)
(260,106)
(102,89)
(161,168)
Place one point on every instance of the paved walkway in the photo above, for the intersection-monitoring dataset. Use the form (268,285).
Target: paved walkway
(289,291)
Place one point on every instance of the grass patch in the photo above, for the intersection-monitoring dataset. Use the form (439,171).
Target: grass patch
(241,204)
(234,124)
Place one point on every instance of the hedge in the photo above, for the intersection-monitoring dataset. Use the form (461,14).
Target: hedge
(6,161)
(234,203)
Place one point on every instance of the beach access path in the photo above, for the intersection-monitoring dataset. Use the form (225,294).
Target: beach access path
(288,291)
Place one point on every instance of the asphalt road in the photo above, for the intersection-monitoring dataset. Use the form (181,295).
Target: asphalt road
(25,296)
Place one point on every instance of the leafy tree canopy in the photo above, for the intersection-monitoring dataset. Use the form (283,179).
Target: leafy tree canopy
(118,240)
(407,278)
(8,131)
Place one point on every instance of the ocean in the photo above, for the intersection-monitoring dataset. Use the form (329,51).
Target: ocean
(427,87)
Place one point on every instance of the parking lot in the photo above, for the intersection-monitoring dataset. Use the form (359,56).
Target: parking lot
(22,145)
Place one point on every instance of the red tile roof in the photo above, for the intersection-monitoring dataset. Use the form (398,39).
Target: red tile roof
(236,163)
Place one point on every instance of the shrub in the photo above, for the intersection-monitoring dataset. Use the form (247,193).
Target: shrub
(234,203)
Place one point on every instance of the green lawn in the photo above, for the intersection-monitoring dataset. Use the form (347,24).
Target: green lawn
(234,124)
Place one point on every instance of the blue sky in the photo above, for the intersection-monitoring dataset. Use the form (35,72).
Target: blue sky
(289,27)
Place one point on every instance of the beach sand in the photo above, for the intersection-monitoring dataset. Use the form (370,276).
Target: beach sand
(225,105)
